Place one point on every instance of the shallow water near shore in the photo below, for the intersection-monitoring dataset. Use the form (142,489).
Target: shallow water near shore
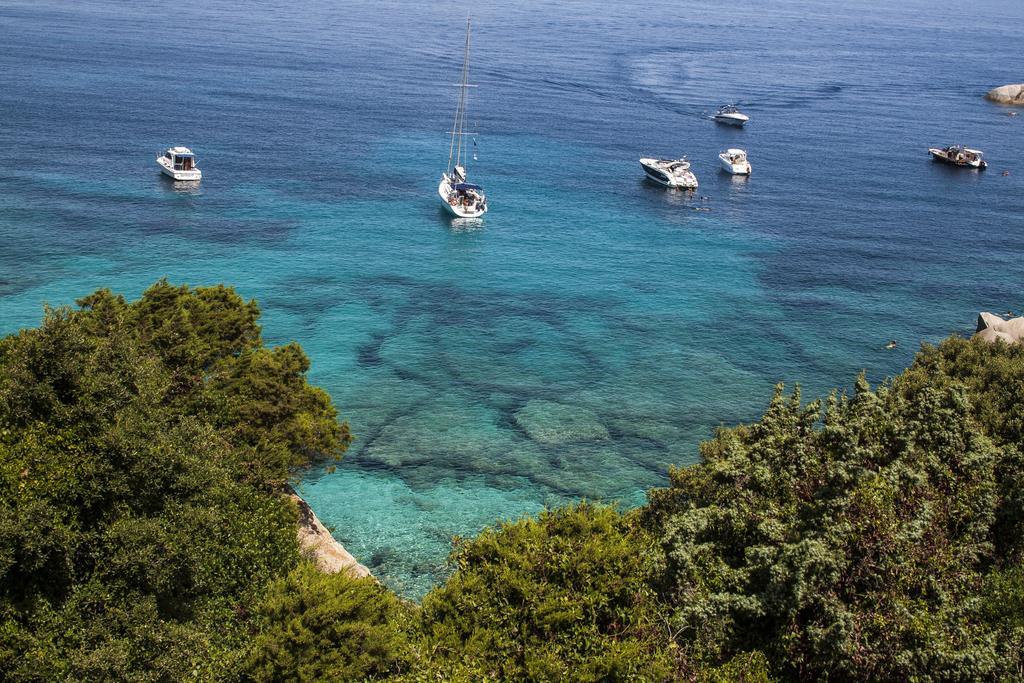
(593,328)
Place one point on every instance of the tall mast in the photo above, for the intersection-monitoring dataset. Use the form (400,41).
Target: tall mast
(463,97)
(458,126)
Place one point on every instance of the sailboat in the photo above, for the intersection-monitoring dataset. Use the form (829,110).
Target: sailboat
(460,197)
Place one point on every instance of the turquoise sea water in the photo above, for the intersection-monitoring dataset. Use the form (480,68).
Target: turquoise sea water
(593,329)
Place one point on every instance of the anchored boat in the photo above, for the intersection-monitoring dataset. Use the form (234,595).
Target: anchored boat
(670,172)
(461,198)
(179,163)
(958,155)
(735,161)
(730,115)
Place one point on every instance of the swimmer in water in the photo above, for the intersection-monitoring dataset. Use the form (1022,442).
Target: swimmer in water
(891,344)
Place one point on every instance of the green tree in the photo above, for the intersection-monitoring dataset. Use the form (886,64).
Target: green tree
(849,542)
(993,377)
(329,627)
(565,596)
(141,449)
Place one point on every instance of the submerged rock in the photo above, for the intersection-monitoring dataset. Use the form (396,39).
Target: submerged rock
(553,423)
(1007,94)
(992,327)
(450,432)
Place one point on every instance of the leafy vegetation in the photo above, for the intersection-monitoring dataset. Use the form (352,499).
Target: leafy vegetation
(866,539)
(568,595)
(329,627)
(140,448)
(143,446)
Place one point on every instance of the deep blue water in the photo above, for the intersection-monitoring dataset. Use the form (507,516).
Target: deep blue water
(594,328)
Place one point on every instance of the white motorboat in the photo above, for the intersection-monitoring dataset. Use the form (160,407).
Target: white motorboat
(670,172)
(729,114)
(958,155)
(179,163)
(459,197)
(735,161)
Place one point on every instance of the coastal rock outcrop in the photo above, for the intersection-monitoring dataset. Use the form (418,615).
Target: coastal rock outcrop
(314,538)
(1007,94)
(992,327)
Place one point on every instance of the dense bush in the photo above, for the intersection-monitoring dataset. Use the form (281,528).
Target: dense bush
(565,596)
(993,377)
(872,538)
(140,446)
(329,627)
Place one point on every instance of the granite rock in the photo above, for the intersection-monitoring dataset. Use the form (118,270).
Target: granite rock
(992,327)
(1007,94)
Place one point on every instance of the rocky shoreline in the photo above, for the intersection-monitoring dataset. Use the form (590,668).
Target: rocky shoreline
(316,540)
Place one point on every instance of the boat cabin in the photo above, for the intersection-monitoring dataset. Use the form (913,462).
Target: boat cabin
(667,169)
(961,154)
(466,193)
(181,158)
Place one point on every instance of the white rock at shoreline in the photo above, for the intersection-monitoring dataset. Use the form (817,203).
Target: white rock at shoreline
(1007,94)
(331,556)
(992,327)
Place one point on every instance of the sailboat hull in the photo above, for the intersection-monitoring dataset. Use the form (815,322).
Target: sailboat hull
(451,203)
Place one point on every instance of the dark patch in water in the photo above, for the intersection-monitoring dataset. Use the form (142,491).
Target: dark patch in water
(368,353)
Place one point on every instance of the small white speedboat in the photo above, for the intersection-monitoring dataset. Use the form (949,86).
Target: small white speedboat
(958,155)
(179,163)
(670,172)
(735,161)
(730,115)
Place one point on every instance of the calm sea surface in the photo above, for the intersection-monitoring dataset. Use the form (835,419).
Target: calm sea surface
(594,328)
